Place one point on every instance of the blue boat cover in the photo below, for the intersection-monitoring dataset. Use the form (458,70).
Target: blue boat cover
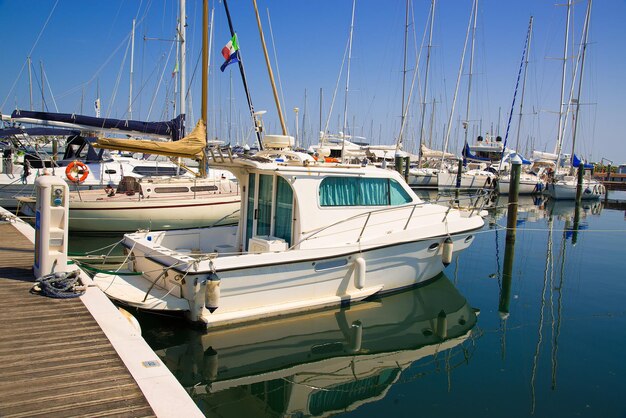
(173,128)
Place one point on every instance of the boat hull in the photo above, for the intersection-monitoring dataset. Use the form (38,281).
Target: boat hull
(423,178)
(293,281)
(566,190)
(530,186)
(447,180)
(125,217)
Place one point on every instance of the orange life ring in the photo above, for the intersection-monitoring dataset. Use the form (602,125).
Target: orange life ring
(76,169)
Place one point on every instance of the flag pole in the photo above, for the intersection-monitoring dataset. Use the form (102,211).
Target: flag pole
(257,127)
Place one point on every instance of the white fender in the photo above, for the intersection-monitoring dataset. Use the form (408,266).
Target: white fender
(212,296)
(359,273)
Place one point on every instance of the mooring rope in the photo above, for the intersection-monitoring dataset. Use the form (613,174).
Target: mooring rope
(60,285)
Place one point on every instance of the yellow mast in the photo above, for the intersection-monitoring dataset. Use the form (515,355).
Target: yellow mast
(269,70)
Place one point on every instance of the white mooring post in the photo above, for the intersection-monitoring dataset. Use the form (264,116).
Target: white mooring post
(51,226)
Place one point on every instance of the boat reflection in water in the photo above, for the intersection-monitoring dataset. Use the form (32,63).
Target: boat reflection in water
(324,362)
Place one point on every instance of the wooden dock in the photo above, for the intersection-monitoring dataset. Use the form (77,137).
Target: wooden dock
(55,359)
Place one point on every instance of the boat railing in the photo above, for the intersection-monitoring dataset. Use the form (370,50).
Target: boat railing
(367,219)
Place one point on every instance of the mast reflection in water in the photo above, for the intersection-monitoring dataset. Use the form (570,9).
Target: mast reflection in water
(323,362)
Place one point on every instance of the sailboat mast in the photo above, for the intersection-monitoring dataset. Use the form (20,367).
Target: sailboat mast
(448,127)
(132,63)
(304,121)
(43,82)
(205,58)
(559,141)
(257,127)
(430,44)
(321,101)
(580,79)
(521,102)
(345,105)
(30,83)
(182,38)
(269,70)
(406,36)
(205,78)
(471,69)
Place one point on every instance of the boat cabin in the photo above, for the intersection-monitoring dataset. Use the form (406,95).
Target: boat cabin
(285,201)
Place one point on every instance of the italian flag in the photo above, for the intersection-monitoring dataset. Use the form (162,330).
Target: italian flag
(231,48)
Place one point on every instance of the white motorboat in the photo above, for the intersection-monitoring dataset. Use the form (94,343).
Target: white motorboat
(151,203)
(310,235)
(326,362)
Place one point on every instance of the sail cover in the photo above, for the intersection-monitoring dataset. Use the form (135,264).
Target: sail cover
(171,128)
(429,153)
(191,146)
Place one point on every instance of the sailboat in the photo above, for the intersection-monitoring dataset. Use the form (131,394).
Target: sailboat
(529,180)
(156,202)
(564,185)
(458,177)
(83,166)
(151,203)
(309,235)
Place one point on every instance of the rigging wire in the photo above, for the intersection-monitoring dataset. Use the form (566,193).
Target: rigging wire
(30,53)
(280,85)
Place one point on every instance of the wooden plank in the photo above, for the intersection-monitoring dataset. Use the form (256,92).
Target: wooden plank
(55,361)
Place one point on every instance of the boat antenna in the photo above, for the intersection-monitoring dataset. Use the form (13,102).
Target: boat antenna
(257,127)
(269,69)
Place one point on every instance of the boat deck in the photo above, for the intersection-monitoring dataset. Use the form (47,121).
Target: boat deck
(55,359)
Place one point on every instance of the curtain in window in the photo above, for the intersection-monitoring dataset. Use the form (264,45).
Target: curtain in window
(339,191)
(373,192)
(284,210)
(356,191)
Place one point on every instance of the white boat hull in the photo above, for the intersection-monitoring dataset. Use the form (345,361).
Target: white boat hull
(447,180)
(423,178)
(526,186)
(291,281)
(566,190)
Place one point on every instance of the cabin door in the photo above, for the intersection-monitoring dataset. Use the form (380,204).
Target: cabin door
(269,207)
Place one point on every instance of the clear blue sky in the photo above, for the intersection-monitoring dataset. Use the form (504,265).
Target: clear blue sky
(86,42)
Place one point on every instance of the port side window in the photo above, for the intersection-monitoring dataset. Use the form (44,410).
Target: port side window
(357,191)
(397,194)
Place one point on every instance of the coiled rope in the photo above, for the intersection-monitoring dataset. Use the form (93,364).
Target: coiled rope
(60,285)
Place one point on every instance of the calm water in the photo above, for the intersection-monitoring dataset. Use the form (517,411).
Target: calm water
(547,341)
